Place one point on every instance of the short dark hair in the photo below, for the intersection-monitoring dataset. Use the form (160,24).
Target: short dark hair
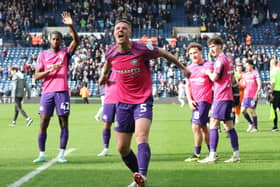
(14,69)
(56,33)
(194,45)
(250,61)
(123,20)
(217,40)
(84,84)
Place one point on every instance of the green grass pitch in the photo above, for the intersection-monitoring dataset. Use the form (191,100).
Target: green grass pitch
(171,142)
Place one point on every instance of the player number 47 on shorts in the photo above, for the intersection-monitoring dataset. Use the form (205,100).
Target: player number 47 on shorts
(65,106)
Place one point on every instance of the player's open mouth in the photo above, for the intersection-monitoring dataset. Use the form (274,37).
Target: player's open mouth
(120,36)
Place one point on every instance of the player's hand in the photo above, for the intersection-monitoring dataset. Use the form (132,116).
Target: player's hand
(193,105)
(207,71)
(102,80)
(55,67)
(66,18)
(271,97)
(255,98)
(186,72)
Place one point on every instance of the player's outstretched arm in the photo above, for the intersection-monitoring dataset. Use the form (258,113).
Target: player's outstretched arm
(67,20)
(165,54)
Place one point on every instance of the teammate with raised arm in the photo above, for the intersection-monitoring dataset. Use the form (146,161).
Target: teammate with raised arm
(130,61)
(199,94)
(222,76)
(52,67)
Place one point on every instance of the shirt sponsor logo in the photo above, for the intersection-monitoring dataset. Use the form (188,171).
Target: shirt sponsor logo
(197,80)
(133,70)
(134,62)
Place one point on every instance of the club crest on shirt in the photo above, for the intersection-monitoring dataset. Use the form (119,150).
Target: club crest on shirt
(134,62)
(150,47)
(218,63)
(61,58)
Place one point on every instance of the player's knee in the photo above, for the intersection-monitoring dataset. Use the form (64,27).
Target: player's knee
(107,125)
(123,150)
(228,126)
(141,139)
(243,110)
(253,112)
(195,128)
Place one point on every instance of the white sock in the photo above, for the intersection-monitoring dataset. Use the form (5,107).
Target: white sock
(42,153)
(236,153)
(212,155)
(61,153)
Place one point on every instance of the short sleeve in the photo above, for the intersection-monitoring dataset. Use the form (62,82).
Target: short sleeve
(272,77)
(151,52)
(218,67)
(40,62)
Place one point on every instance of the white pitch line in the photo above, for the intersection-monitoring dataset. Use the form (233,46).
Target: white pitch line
(38,170)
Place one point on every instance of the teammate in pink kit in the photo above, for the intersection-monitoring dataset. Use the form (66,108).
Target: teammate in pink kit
(53,69)
(199,94)
(252,88)
(109,111)
(222,76)
(130,61)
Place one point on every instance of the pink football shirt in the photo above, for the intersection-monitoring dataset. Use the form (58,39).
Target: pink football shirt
(223,85)
(133,75)
(57,80)
(251,85)
(200,84)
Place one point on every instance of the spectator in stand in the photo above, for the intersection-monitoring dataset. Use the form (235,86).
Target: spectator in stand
(4,52)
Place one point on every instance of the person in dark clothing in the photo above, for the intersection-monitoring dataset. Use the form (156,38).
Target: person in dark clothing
(19,90)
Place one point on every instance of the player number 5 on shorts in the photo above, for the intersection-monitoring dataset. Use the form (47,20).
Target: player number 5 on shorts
(65,106)
(143,107)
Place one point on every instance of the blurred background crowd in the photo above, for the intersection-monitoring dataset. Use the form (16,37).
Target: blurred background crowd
(250,28)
